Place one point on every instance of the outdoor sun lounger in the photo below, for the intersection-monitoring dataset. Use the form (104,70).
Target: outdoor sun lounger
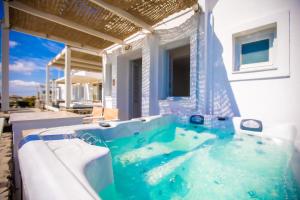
(97,114)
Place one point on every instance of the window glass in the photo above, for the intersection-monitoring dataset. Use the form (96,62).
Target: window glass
(179,71)
(255,52)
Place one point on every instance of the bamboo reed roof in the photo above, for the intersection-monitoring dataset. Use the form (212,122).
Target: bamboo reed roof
(20,20)
(86,56)
(152,11)
(79,61)
(91,15)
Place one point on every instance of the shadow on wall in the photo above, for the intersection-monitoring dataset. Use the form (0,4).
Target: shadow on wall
(222,102)
(210,89)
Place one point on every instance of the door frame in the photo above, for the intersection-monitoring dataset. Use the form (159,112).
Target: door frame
(123,82)
(131,91)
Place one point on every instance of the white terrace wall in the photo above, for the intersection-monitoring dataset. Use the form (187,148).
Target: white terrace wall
(273,99)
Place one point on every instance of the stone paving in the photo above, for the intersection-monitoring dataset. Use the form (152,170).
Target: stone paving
(6,164)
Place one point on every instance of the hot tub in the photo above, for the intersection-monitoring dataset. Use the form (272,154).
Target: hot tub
(161,158)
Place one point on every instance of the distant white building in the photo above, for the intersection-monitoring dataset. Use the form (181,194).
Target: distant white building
(81,85)
(86,88)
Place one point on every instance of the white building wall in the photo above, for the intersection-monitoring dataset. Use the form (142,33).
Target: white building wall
(272,99)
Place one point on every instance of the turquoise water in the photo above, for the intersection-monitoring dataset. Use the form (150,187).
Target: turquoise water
(186,162)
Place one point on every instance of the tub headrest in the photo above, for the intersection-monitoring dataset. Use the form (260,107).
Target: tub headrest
(251,125)
(197,119)
(104,124)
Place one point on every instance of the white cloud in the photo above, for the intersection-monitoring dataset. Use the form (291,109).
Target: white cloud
(23,66)
(27,66)
(21,83)
(23,88)
(13,44)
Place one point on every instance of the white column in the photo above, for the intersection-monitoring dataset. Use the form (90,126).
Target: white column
(53,90)
(112,101)
(150,76)
(5,69)
(47,85)
(207,24)
(88,92)
(104,83)
(84,91)
(68,77)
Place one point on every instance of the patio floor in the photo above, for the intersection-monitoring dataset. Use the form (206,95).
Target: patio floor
(6,165)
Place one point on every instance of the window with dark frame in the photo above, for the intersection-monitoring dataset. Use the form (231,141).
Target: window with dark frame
(179,71)
(255,51)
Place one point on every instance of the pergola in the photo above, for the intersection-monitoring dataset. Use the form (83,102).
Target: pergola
(80,59)
(88,25)
(82,77)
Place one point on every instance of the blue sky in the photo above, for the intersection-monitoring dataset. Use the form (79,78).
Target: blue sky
(29,56)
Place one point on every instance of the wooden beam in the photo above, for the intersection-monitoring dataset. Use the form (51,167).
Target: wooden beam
(123,14)
(79,60)
(62,21)
(61,66)
(58,56)
(56,39)
(74,64)
(87,70)
(95,53)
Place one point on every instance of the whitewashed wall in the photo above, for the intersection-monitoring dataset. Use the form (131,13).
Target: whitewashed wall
(152,46)
(192,31)
(272,99)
